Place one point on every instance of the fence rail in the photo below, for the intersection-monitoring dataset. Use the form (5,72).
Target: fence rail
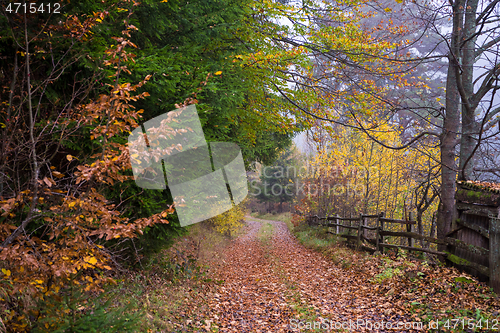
(356,229)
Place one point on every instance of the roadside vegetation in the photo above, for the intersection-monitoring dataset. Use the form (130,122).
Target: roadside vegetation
(427,290)
(390,125)
(170,290)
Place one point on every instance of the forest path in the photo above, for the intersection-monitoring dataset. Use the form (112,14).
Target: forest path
(274,284)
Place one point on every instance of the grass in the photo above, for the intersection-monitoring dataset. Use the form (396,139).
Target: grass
(317,238)
(283,217)
(170,289)
(265,231)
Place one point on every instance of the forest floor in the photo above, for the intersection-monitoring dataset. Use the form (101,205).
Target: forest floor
(274,284)
(268,280)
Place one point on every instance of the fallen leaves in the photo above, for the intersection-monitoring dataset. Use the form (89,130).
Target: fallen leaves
(269,283)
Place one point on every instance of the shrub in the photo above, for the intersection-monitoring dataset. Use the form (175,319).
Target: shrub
(231,221)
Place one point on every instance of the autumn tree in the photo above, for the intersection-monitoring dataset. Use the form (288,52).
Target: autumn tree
(73,86)
(354,175)
(56,223)
(369,69)
(471,104)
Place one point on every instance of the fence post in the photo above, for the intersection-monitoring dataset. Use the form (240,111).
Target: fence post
(337,223)
(495,254)
(360,231)
(382,214)
(349,231)
(409,228)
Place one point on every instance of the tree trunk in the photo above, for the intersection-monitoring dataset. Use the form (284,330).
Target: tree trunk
(466,89)
(451,126)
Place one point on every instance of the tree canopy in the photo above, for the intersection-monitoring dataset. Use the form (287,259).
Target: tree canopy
(408,87)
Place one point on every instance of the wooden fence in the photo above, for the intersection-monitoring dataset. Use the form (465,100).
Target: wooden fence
(374,239)
(478,223)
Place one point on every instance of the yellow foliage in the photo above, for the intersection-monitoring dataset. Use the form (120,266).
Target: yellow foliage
(231,221)
(90,260)
(354,174)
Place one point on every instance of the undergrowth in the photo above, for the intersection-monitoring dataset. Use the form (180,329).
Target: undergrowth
(171,287)
(426,291)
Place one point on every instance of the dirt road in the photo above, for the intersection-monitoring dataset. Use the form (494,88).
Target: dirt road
(274,284)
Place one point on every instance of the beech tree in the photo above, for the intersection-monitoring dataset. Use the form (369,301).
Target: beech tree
(73,87)
(472,82)
(367,59)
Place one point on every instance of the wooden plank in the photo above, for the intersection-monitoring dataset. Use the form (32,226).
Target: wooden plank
(369,228)
(469,247)
(465,263)
(409,228)
(472,209)
(474,237)
(364,224)
(333,218)
(474,227)
(477,196)
(377,236)
(309,220)
(349,227)
(372,216)
(454,231)
(383,219)
(335,225)
(381,248)
(495,254)
(412,248)
(360,231)
(349,218)
(413,235)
